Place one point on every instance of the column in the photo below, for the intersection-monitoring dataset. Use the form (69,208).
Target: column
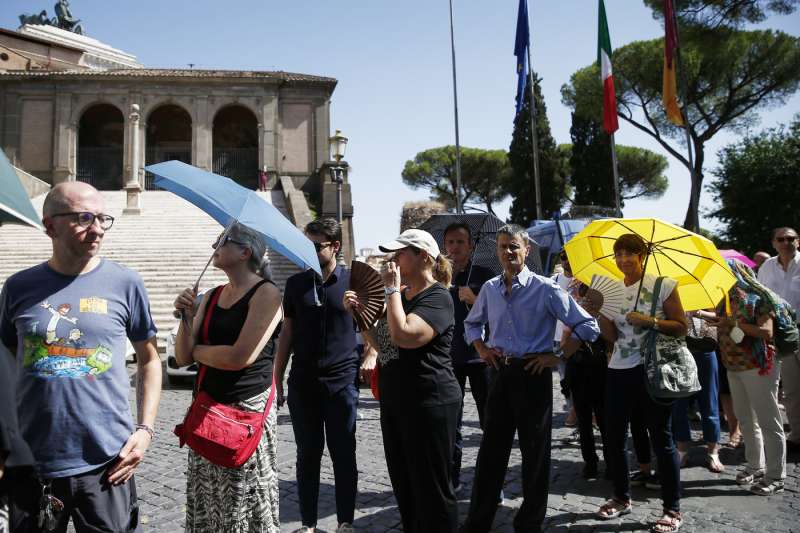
(133,185)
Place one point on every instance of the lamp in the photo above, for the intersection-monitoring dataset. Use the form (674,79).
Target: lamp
(337,145)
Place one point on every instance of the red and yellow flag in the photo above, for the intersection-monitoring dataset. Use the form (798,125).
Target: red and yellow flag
(669,95)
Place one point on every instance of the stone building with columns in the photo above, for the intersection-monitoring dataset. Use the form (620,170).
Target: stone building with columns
(68,111)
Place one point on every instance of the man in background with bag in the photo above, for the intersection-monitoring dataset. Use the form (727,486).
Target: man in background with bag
(67,320)
(781,274)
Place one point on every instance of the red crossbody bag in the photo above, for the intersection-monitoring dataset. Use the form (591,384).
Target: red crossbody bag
(224,435)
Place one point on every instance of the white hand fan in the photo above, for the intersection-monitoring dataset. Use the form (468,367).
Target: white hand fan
(607,295)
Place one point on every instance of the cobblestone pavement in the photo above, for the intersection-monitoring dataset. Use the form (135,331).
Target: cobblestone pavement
(712,502)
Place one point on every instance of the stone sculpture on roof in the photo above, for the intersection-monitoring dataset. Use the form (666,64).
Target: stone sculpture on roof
(63,19)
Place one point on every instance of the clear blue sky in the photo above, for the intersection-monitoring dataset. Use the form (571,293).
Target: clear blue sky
(392,60)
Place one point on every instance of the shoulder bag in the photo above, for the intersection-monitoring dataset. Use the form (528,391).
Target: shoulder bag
(224,435)
(671,371)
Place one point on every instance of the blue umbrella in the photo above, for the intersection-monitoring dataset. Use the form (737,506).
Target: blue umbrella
(15,207)
(228,202)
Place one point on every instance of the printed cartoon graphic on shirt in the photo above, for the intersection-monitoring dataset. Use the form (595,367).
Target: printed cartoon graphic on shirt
(61,352)
(632,346)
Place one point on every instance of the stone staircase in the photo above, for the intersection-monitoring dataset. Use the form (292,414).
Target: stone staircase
(168,244)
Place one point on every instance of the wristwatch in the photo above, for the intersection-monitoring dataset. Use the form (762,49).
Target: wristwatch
(388,291)
(655,324)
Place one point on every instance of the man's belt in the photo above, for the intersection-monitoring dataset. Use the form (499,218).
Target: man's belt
(521,361)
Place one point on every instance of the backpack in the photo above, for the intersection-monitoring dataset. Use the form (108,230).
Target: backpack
(785,334)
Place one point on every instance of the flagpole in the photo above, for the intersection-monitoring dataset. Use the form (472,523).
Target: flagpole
(693,202)
(455,108)
(534,135)
(617,200)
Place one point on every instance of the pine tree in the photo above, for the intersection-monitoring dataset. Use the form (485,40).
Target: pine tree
(552,164)
(592,177)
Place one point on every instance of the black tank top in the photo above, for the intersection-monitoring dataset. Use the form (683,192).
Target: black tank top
(230,386)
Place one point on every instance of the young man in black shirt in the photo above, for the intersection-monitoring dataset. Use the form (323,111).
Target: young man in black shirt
(322,394)
(468,279)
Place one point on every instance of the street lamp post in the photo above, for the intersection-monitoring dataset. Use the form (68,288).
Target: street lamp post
(338,144)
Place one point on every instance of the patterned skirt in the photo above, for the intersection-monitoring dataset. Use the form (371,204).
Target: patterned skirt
(237,500)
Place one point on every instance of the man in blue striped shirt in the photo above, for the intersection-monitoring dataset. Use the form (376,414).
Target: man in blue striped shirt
(521,309)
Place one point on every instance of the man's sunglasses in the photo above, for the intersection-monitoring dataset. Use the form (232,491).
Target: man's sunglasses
(85,219)
(788,238)
(318,246)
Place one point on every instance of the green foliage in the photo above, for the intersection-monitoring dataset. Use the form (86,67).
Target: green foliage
(553,165)
(719,13)
(757,187)
(730,75)
(483,175)
(641,171)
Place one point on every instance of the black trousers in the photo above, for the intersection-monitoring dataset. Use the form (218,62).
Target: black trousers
(418,443)
(586,375)
(519,402)
(625,393)
(479,378)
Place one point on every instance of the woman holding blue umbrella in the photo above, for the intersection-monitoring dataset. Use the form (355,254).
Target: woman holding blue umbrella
(233,337)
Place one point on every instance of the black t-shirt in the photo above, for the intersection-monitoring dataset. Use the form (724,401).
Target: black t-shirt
(462,352)
(323,332)
(230,386)
(424,376)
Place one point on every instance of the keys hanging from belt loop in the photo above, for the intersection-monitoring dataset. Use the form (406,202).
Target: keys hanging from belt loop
(50,508)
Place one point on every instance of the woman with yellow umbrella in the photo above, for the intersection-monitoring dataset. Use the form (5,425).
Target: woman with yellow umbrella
(663,268)
(626,382)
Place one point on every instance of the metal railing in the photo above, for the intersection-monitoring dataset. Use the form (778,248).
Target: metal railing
(239,164)
(101,166)
(158,154)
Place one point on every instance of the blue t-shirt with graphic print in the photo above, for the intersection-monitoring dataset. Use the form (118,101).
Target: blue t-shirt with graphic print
(72,385)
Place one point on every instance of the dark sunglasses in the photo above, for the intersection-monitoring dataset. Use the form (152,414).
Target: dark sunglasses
(218,244)
(85,219)
(318,246)
(788,238)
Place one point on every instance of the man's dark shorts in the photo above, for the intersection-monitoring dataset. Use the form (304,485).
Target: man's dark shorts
(88,498)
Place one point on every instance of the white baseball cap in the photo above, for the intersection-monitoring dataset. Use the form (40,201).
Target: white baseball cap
(417,238)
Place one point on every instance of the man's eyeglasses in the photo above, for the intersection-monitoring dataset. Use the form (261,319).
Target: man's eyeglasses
(86,219)
(220,243)
(787,238)
(318,246)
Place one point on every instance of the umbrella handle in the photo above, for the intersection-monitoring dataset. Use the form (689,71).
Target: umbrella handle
(179,314)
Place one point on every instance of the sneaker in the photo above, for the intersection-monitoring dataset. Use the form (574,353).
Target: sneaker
(345,527)
(767,488)
(746,477)
(305,529)
(590,470)
(572,438)
(639,478)
(653,482)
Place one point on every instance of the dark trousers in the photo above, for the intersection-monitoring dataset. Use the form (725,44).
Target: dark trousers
(586,376)
(418,443)
(88,499)
(626,393)
(479,378)
(318,416)
(519,402)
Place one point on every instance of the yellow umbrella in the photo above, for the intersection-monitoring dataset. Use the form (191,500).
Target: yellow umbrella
(693,261)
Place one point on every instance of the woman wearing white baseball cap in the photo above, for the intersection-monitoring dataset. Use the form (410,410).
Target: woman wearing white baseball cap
(420,396)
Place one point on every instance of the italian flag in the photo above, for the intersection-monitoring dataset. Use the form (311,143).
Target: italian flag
(610,123)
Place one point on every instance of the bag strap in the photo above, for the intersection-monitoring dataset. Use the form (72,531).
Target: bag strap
(656,295)
(204,330)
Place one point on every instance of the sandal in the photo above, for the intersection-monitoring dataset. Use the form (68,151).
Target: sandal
(714,464)
(735,441)
(671,521)
(614,508)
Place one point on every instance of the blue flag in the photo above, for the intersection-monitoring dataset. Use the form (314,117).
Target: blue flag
(521,44)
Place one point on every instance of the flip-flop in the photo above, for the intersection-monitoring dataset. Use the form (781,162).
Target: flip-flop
(714,464)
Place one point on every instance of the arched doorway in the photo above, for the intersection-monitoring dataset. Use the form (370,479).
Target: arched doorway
(168,136)
(101,136)
(235,145)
